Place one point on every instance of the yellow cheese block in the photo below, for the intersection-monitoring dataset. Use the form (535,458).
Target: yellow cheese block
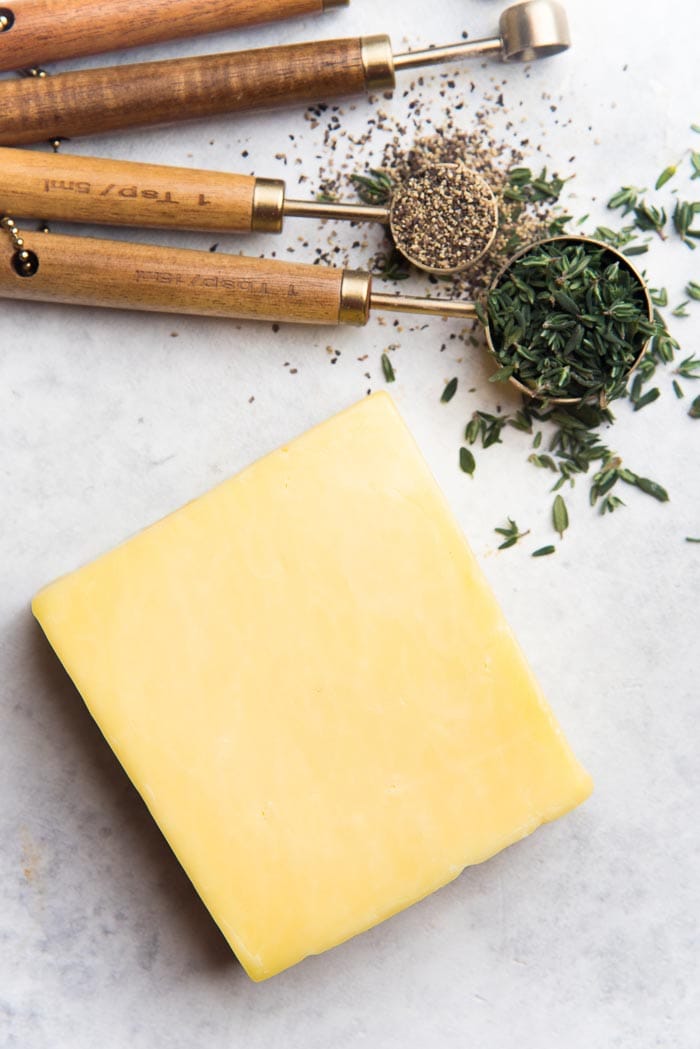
(310,683)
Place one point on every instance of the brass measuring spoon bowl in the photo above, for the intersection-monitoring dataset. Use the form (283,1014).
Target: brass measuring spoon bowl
(526,31)
(534,29)
(470,311)
(98,272)
(615,256)
(444,218)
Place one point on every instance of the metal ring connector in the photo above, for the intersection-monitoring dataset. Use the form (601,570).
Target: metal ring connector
(268,206)
(355,292)
(378,63)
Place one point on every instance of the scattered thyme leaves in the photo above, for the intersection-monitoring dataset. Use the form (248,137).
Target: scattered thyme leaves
(689,368)
(511,534)
(388,369)
(694,410)
(649,219)
(644,484)
(692,289)
(467,462)
(560,516)
(647,398)
(683,216)
(449,391)
(625,198)
(544,551)
(665,176)
(486,426)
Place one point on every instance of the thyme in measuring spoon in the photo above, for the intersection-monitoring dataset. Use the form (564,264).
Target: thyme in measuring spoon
(568,319)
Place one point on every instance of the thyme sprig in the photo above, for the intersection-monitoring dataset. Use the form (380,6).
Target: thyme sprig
(374,188)
(650,219)
(511,534)
(689,368)
(683,216)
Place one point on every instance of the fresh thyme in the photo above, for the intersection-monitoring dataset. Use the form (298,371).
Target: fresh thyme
(375,188)
(625,198)
(486,426)
(467,462)
(511,534)
(666,175)
(544,551)
(560,516)
(523,187)
(694,410)
(689,368)
(569,320)
(388,369)
(449,391)
(683,216)
(646,398)
(648,219)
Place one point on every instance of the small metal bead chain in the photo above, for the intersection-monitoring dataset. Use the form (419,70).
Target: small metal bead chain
(25,262)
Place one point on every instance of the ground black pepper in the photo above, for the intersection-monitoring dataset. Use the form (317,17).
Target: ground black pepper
(444,217)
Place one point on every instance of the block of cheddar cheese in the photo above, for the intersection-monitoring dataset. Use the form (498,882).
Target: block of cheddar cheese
(307,678)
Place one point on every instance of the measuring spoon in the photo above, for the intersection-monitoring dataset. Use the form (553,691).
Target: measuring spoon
(34,31)
(95,101)
(93,272)
(442,219)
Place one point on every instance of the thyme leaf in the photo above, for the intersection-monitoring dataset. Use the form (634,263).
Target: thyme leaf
(560,516)
(467,462)
(449,391)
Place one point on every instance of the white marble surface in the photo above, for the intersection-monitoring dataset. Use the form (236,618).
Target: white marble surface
(585,935)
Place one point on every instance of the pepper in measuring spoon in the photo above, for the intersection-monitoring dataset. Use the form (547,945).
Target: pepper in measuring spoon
(442,218)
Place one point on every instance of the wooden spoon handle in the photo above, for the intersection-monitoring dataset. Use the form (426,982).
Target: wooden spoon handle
(64,188)
(48,30)
(91,272)
(94,101)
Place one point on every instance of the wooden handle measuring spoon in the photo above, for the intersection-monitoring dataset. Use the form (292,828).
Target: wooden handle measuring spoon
(94,101)
(92,272)
(443,218)
(615,329)
(35,31)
